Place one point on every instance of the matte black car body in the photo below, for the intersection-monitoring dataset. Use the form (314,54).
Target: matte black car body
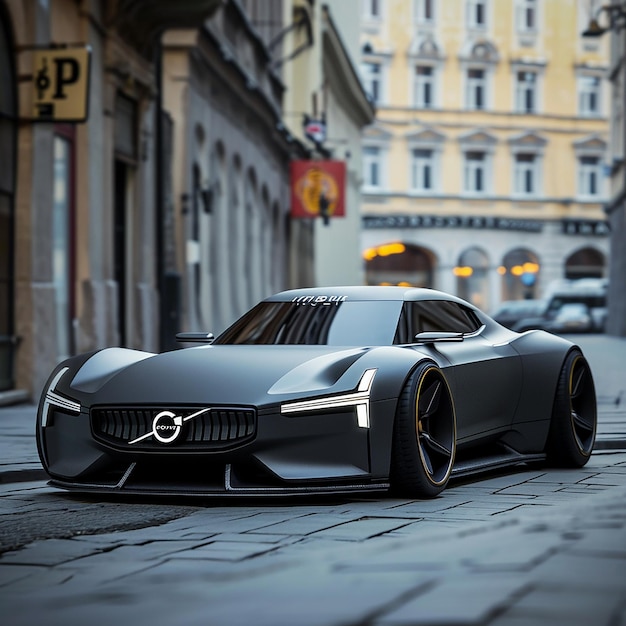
(351,393)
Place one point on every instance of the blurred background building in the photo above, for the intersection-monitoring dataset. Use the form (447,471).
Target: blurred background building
(167,206)
(608,21)
(474,136)
(485,168)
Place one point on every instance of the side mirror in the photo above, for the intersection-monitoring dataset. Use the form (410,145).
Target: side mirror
(435,337)
(195,337)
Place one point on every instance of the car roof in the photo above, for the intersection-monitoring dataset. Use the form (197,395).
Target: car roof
(365,293)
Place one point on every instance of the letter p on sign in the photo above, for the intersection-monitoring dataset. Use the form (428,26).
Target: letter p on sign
(61,84)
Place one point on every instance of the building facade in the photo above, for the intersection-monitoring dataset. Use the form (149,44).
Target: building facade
(231,155)
(485,169)
(168,206)
(320,70)
(78,228)
(616,207)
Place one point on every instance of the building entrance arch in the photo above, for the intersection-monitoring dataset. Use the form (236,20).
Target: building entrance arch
(472,277)
(399,263)
(585,263)
(520,274)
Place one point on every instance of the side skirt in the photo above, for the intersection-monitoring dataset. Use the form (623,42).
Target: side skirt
(506,458)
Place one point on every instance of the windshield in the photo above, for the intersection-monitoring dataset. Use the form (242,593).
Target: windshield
(357,323)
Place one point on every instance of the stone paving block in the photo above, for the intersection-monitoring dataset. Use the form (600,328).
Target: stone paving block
(226,551)
(253,537)
(454,600)
(362,529)
(426,527)
(304,525)
(418,508)
(522,618)
(37,578)
(75,575)
(605,481)
(508,480)
(11,573)
(566,606)
(563,477)
(49,552)
(516,552)
(243,524)
(416,554)
(583,572)
(610,542)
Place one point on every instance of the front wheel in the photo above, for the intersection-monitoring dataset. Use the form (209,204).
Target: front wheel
(424,438)
(574,415)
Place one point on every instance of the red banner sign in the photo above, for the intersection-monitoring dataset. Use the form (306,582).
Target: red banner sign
(318,189)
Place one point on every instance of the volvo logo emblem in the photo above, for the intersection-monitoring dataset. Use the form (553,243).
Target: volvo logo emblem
(167,426)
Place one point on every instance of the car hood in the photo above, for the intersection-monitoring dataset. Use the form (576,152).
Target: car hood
(233,374)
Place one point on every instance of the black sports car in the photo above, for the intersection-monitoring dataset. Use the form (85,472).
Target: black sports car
(318,390)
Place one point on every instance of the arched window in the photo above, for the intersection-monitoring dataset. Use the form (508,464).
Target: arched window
(471,273)
(585,263)
(397,263)
(520,273)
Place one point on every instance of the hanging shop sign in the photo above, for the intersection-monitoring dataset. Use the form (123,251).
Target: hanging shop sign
(61,84)
(315,130)
(318,189)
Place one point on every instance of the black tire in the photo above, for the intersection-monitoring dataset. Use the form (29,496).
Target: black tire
(574,415)
(424,436)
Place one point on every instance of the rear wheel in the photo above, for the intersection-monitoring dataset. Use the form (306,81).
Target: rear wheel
(424,439)
(574,415)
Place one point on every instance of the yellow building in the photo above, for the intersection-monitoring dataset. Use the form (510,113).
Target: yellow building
(484,171)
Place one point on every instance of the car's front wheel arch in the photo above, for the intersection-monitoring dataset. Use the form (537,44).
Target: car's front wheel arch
(424,434)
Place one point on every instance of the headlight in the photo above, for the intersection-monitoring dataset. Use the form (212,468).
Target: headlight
(359,399)
(54,399)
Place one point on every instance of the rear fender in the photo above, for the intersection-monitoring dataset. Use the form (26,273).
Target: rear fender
(542,355)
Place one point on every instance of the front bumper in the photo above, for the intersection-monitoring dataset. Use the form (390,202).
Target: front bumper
(287,454)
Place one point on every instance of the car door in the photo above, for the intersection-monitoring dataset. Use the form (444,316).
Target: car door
(486,379)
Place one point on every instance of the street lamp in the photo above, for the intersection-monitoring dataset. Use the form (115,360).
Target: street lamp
(617,20)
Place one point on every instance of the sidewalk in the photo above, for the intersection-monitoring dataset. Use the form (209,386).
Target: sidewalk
(607,356)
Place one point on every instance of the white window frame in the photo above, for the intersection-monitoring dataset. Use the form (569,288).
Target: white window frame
(367,10)
(523,9)
(421,82)
(523,88)
(376,161)
(586,94)
(521,169)
(471,167)
(590,174)
(422,165)
(471,84)
(373,81)
(471,10)
(422,10)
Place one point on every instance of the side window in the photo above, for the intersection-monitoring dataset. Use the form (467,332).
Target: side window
(434,316)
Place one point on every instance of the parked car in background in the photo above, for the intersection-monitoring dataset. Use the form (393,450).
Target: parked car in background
(512,311)
(574,317)
(590,292)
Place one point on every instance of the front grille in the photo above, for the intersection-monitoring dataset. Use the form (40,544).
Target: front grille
(218,428)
